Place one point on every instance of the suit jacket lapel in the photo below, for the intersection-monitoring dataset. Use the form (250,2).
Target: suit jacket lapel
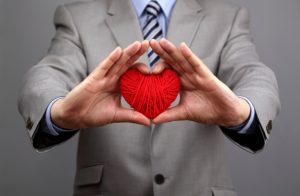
(184,21)
(124,24)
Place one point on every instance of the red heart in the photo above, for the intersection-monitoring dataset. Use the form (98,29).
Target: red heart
(150,94)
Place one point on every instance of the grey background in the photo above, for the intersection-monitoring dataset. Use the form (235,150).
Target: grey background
(25,33)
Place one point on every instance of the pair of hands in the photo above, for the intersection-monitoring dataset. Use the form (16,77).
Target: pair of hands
(203,97)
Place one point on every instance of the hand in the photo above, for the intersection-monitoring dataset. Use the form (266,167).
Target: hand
(96,100)
(203,97)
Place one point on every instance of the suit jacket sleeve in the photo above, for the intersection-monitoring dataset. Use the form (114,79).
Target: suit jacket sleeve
(241,69)
(54,76)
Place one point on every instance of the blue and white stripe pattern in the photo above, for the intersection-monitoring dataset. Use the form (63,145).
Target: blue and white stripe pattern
(152,29)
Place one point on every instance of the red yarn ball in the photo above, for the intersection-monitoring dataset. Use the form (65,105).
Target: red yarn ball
(149,94)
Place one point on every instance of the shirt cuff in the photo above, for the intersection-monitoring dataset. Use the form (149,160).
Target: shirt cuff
(52,128)
(244,127)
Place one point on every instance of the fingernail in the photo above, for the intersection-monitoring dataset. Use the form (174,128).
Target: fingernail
(136,43)
(117,48)
(153,40)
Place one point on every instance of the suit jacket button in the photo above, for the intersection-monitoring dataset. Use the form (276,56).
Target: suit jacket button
(159,179)
(269,127)
(29,124)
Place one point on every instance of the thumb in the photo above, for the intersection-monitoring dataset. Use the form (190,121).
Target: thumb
(173,114)
(129,115)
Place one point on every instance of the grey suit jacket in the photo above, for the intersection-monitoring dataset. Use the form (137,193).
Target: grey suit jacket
(125,159)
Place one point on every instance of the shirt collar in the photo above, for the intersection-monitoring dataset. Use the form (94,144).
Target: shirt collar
(166,6)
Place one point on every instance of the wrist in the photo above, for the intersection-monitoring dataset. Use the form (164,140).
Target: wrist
(59,117)
(240,114)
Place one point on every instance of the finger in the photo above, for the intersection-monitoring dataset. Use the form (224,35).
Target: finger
(101,70)
(161,52)
(176,54)
(141,67)
(194,61)
(184,70)
(159,67)
(155,45)
(128,115)
(143,49)
(133,59)
(173,114)
(128,52)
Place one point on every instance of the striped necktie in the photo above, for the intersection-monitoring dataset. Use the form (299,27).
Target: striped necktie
(152,29)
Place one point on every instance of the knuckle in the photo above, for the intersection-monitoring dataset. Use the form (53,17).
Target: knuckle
(180,61)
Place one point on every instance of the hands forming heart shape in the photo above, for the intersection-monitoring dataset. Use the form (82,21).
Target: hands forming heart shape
(203,97)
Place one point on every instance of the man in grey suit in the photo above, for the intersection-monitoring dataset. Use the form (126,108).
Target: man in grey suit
(120,151)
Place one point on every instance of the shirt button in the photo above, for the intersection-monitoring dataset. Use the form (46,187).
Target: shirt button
(159,179)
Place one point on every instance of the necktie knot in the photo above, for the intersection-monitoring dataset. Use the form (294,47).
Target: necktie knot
(153,8)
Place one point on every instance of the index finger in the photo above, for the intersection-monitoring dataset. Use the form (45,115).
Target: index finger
(128,52)
(130,63)
(196,62)
(176,54)
(101,70)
